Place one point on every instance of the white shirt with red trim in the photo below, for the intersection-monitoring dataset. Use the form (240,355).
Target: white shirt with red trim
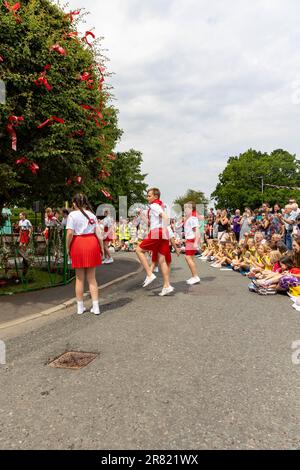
(80,224)
(190,224)
(155,216)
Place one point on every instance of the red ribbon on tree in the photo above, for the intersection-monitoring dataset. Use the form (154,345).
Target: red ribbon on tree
(106,194)
(85,38)
(59,49)
(104,174)
(72,14)
(12,9)
(94,113)
(1,58)
(72,35)
(33,167)
(112,157)
(22,160)
(42,80)
(50,121)
(13,122)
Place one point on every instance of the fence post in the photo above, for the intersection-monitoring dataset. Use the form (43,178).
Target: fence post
(65,256)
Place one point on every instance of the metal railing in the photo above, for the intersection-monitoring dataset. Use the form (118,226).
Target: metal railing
(42,263)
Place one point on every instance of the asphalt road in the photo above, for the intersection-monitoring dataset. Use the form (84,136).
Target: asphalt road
(208,368)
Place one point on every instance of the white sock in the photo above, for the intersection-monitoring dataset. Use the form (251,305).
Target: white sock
(96,308)
(80,306)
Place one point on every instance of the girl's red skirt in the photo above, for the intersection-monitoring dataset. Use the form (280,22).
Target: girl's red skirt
(85,252)
(24,237)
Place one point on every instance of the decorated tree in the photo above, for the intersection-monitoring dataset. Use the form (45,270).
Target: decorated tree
(57,126)
(251,178)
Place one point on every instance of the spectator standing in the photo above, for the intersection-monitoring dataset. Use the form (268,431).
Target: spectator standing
(236,221)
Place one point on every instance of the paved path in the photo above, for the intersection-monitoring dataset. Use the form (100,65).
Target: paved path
(19,306)
(210,367)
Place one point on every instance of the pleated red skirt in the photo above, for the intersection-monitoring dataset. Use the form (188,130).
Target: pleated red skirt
(24,237)
(85,252)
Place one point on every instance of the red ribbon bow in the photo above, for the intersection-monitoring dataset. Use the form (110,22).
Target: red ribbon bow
(87,34)
(59,49)
(106,194)
(42,80)
(112,157)
(33,167)
(12,9)
(94,113)
(13,122)
(72,14)
(1,58)
(50,121)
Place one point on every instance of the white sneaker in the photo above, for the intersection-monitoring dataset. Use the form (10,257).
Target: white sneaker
(194,280)
(166,291)
(149,280)
(156,270)
(189,280)
(81,313)
(109,261)
(95,313)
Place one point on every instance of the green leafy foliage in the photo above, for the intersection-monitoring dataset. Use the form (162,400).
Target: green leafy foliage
(240,184)
(191,195)
(126,178)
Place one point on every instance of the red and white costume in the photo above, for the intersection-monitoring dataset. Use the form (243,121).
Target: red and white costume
(108,229)
(85,249)
(157,240)
(25,227)
(190,224)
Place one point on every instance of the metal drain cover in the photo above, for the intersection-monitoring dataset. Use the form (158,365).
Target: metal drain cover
(73,360)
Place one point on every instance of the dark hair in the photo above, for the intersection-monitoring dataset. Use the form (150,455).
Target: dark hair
(82,203)
(288,261)
(65,211)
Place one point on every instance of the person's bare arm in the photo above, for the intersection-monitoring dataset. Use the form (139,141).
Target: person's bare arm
(70,235)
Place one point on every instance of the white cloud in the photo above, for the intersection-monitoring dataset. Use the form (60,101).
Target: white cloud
(197,81)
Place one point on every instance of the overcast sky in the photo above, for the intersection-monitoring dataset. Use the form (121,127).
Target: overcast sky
(197,81)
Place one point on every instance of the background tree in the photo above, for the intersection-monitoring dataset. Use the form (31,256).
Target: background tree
(125,178)
(240,184)
(192,195)
(57,127)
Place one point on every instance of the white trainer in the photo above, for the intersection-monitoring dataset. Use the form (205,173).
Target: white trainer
(156,270)
(79,312)
(95,313)
(194,280)
(166,291)
(109,261)
(189,280)
(149,280)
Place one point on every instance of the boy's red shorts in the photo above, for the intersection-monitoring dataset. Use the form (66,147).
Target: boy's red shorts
(156,243)
(189,247)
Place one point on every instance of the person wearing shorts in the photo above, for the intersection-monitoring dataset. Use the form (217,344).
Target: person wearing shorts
(157,242)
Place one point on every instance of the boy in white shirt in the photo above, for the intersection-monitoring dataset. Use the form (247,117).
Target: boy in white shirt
(156,242)
(192,239)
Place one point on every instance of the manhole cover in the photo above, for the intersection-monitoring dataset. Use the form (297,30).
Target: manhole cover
(73,360)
